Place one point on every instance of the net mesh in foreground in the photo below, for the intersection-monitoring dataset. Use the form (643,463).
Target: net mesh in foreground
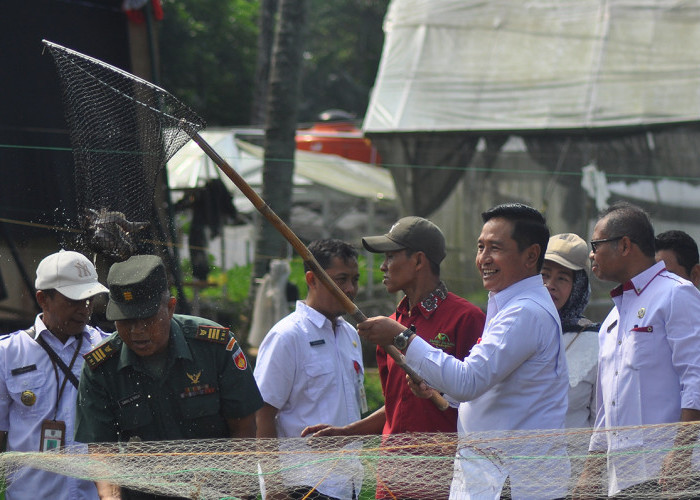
(123,130)
(524,464)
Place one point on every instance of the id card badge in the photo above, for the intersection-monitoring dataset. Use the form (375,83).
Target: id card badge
(53,435)
(361,394)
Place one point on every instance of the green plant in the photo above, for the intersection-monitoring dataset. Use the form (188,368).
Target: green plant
(234,284)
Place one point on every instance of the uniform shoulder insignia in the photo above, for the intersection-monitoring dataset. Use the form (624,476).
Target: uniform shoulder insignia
(217,334)
(100,354)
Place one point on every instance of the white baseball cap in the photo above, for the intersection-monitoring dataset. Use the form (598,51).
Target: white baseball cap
(70,273)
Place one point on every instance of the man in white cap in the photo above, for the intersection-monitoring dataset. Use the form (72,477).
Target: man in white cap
(39,370)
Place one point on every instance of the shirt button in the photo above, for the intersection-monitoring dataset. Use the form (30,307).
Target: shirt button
(613,403)
(619,342)
(615,372)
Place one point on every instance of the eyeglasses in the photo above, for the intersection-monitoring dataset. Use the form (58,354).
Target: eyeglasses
(595,243)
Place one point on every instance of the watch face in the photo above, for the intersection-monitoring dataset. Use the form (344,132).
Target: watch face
(400,342)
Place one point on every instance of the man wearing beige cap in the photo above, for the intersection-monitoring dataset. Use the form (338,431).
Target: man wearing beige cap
(39,370)
(565,274)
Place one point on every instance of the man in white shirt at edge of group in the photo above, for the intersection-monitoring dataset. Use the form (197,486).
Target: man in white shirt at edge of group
(37,399)
(516,377)
(309,369)
(648,364)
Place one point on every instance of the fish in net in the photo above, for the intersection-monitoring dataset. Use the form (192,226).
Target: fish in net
(123,130)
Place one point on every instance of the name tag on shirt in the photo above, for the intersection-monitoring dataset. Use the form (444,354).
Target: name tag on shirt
(314,343)
(129,399)
(23,369)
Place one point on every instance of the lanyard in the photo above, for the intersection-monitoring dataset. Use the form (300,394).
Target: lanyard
(68,370)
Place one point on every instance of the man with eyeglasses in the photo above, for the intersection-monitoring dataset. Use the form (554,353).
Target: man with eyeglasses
(648,365)
(39,369)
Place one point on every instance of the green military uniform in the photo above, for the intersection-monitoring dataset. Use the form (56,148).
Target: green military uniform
(206,379)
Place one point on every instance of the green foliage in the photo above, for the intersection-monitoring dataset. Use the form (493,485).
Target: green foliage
(208,54)
(373,388)
(234,284)
(208,50)
(341,57)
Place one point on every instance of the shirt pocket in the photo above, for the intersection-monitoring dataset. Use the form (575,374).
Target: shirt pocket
(645,344)
(319,379)
(134,415)
(31,393)
(205,405)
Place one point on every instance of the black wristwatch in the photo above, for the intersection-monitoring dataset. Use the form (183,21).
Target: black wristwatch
(401,340)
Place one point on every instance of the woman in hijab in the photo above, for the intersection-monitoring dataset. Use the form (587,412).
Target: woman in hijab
(565,274)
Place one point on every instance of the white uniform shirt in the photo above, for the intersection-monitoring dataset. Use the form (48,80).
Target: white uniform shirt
(515,378)
(25,366)
(649,368)
(312,375)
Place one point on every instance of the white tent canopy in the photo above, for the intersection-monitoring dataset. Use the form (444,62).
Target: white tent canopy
(190,167)
(511,65)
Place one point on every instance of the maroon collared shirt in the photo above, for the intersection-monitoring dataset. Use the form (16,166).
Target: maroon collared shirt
(446,321)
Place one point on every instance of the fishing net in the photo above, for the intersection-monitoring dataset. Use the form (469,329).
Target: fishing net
(522,464)
(123,130)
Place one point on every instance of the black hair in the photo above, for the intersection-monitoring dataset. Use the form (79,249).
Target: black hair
(529,226)
(324,251)
(682,244)
(626,219)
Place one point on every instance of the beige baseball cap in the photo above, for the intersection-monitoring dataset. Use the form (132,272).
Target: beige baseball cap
(568,250)
(70,273)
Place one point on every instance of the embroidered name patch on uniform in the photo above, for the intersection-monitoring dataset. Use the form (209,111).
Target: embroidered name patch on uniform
(217,334)
(23,369)
(129,399)
(100,354)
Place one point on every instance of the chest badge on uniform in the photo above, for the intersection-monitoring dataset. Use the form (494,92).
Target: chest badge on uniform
(239,359)
(641,313)
(194,378)
(28,398)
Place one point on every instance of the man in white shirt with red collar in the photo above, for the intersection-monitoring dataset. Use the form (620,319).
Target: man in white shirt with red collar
(649,361)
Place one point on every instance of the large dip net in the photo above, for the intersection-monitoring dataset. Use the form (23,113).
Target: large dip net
(525,464)
(123,130)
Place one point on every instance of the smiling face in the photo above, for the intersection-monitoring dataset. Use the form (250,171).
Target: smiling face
(148,336)
(559,281)
(498,259)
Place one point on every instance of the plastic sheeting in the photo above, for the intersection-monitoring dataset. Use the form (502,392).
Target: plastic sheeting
(518,65)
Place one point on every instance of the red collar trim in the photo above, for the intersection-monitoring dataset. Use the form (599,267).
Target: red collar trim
(629,285)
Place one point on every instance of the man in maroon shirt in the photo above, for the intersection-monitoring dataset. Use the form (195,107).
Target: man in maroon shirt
(414,248)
